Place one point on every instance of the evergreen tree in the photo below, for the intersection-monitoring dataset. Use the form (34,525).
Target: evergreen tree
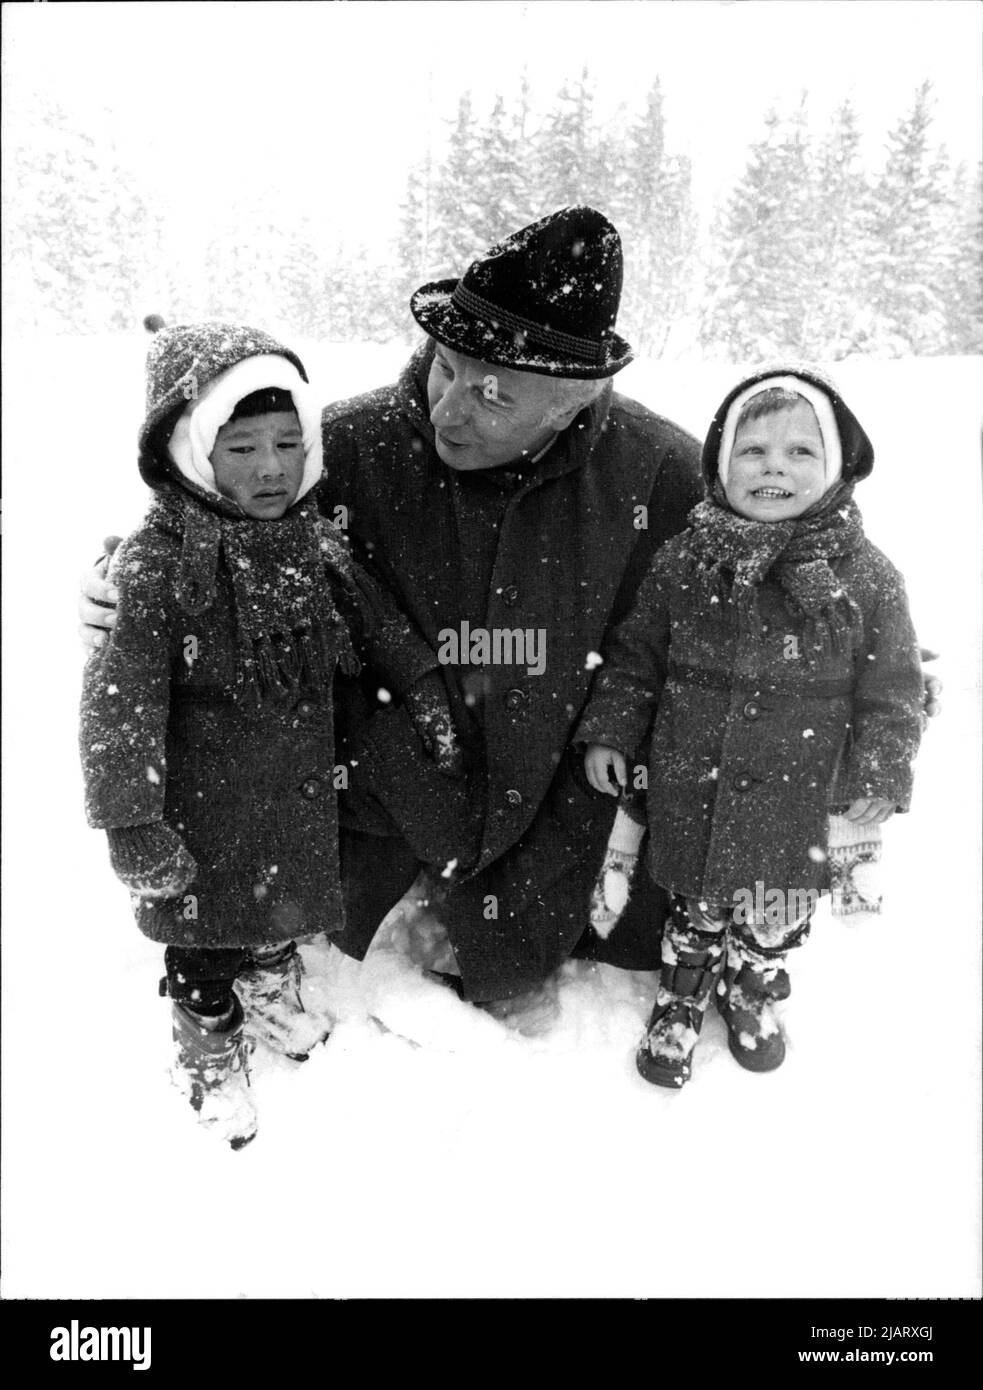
(840,203)
(458,217)
(909,234)
(574,161)
(765,262)
(962,279)
(81,234)
(651,204)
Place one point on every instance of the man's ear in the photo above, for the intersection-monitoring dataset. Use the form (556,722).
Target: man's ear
(562,415)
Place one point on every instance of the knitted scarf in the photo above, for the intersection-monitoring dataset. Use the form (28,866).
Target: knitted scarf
(289,628)
(737,554)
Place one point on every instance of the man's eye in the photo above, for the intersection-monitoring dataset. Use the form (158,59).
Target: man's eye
(290,444)
(240,449)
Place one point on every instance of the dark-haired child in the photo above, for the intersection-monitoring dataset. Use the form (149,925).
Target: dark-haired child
(207,733)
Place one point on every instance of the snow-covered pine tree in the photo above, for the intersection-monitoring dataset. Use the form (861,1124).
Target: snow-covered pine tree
(573,159)
(458,216)
(651,204)
(504,180)
(81,232)
(962,278)
(840,203)
(909,233)
(764,254)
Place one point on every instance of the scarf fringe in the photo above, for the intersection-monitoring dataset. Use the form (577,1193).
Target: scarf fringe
(277,663)
(734,556)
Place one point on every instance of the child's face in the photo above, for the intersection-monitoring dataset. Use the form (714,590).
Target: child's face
(259,463)
(777,465)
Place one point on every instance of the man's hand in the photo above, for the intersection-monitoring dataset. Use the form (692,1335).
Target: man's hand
(931,705)
(97,603)
(427,704)
(599,763)
(869,810)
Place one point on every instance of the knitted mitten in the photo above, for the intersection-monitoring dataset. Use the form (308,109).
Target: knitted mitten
(151,860)
(612,888)
(427,704)
(854,853)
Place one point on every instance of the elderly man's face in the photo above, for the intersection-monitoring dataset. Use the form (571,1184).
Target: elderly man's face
(485,415)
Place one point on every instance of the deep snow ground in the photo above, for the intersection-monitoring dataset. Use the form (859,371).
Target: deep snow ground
(428,1150)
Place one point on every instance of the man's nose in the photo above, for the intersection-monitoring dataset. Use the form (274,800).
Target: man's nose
(453,407)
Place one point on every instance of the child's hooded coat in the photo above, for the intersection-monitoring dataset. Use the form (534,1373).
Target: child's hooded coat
(753,741)
(210,706)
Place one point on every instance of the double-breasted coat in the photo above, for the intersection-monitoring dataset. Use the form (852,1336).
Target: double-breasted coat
(753,744)
(558,547)
(758,733)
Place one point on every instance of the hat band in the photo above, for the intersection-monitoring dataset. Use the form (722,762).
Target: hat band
(583,349)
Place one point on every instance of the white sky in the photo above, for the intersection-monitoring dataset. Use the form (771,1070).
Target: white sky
(334,97)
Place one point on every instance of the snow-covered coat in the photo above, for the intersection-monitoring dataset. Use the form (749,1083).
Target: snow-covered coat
(753,743)
(561,548)
(188,720)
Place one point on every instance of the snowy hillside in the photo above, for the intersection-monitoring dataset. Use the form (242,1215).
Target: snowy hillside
(428,1149)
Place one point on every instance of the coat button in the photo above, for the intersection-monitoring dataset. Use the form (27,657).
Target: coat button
(515,699)
(311,788)
(513,797)
(752,710)
(743,783)
(306,708)
(509,594)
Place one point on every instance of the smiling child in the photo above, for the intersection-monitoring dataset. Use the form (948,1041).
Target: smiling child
(771,656)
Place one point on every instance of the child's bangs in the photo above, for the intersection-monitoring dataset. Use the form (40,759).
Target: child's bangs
(271,400)
(769,402)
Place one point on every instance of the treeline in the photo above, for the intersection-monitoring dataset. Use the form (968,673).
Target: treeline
(815,252)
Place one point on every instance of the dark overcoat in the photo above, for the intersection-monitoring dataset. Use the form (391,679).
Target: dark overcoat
(170,733)
(755,741)
(753,744)
(573,536)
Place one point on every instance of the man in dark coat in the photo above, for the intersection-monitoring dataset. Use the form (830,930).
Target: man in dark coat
(502,487)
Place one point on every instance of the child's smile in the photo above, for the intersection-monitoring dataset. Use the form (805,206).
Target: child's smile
(259,463)
(777,465)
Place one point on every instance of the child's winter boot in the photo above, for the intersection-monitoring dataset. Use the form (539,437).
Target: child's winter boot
(276,1014)
(752,984)
(691,959)
(211,1069)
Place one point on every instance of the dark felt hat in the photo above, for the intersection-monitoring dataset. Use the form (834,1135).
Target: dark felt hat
(544,300)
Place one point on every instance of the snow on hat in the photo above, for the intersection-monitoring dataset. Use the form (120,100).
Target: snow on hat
(821,405)
(195,433)
(543,300)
